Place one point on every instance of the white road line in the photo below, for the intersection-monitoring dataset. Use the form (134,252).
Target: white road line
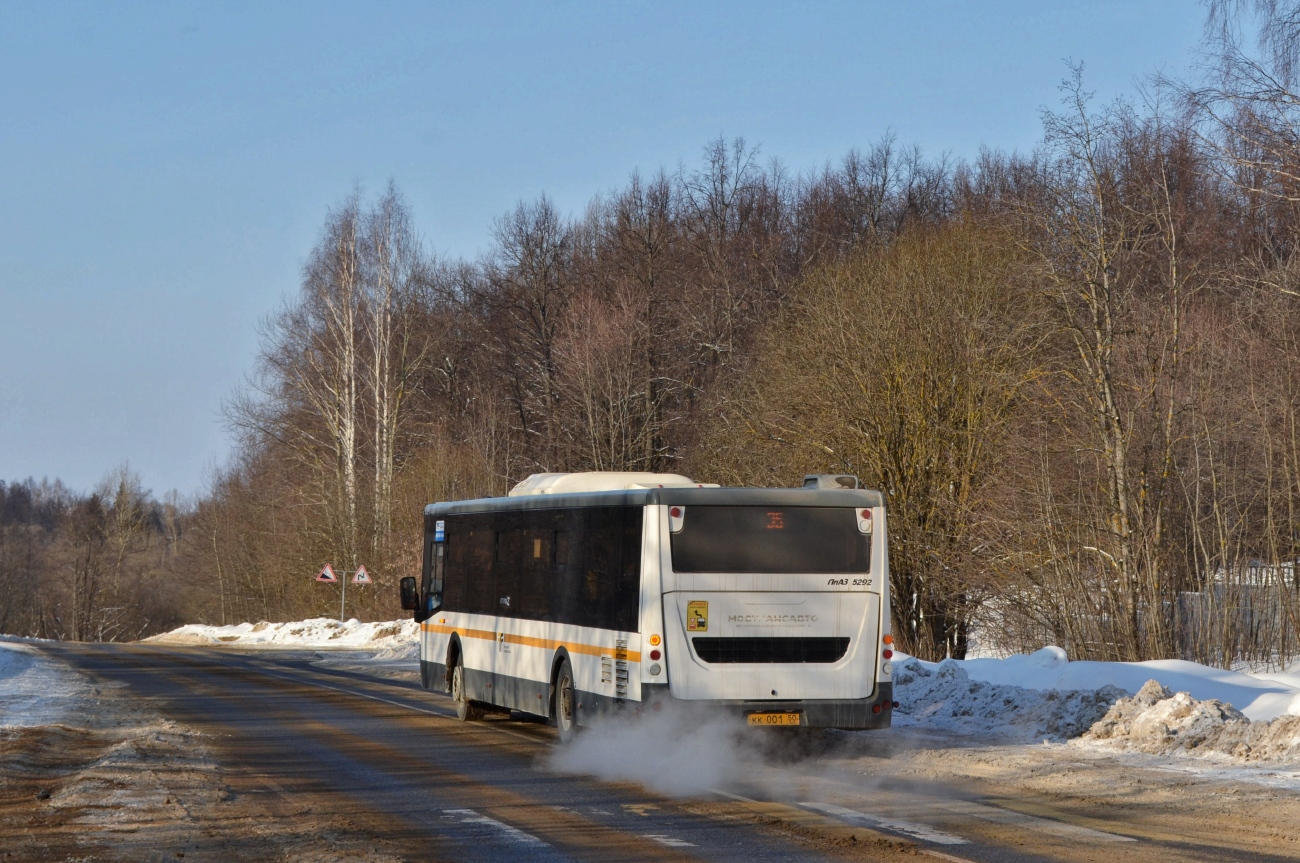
(908,828)
(1032,822)
(668,840)
(942,856)
(514,834)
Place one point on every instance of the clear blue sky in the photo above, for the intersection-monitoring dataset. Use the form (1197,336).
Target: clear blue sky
(164,167)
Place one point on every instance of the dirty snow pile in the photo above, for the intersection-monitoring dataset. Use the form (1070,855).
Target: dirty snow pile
(944,696)
(36,690)
(1180,707)
(393,639)
(1161,722)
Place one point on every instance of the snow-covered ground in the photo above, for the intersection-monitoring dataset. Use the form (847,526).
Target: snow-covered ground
(1164,707)
(1258,696)
(388,640)
(36,690)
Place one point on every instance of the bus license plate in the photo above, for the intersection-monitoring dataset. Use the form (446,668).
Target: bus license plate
(774,719)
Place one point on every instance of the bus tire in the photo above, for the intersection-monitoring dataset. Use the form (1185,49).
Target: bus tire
(566,702)
(466,710)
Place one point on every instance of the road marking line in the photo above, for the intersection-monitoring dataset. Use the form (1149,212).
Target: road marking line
(1032,822)
(639,808)
(469,816)
(943,856)
(908,828)
(670,841)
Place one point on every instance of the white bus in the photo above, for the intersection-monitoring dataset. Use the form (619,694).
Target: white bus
(584,594)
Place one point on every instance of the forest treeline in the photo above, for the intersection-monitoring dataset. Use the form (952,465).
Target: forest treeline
(1074,373)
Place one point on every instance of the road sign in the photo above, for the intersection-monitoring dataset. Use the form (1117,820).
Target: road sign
(361,577)
(327,574)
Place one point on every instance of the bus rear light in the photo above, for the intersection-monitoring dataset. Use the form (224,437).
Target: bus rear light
(654,672)
(654,654)
(887,653)
(888,639)
(875,708)
(676,518)
(655,639)
(864,520)
(887,667)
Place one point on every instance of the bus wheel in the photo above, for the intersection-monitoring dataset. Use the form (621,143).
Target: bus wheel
(566,706)
(466,710)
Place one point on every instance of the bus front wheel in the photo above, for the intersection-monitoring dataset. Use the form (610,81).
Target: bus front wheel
(566,706)
(466,710)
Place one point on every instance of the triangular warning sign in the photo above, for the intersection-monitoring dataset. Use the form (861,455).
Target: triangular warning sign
(327,574)
(362,577)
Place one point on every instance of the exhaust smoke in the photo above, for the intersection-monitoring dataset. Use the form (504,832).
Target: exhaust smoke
(680,751)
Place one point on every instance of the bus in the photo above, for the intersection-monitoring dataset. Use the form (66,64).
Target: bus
(582,595)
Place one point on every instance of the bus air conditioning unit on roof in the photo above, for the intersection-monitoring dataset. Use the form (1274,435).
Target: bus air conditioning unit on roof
(831,480)
(569,483)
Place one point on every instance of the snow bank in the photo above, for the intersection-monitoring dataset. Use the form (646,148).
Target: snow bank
(944,696)
(394,639)
(1258,696)
(36,690)
(1180,707)
(1161,722)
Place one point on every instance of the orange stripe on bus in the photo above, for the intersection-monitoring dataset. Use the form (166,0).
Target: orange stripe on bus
(528,641)
(451,630)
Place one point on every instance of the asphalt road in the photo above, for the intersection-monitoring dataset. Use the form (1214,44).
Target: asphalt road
(317,748)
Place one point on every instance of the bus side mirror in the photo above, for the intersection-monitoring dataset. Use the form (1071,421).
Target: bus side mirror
(410,597)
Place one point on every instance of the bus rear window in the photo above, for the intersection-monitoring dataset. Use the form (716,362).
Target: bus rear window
(770,540)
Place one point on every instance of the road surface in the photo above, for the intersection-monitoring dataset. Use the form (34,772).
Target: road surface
(289,760)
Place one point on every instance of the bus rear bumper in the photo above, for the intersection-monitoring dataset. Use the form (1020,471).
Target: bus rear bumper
(872,712)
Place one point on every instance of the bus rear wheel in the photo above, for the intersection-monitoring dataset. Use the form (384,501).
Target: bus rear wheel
(466,710)
(566,705)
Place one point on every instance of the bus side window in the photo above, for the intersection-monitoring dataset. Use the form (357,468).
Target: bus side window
(426,580)
(534,581)
(478,576)
(439,575)
(505,597)
(560,549)
(600,583)
(456,565)
(628,593)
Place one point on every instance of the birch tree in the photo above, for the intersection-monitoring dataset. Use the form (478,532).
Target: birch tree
(393,266)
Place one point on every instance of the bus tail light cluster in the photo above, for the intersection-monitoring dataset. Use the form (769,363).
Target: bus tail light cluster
(887,654)
(864,520)
(655,655)
(676,518)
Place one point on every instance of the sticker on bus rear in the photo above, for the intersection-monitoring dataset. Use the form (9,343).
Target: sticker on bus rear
(440,531)
(697,616)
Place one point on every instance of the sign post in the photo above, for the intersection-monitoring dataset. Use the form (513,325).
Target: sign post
(328,574)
